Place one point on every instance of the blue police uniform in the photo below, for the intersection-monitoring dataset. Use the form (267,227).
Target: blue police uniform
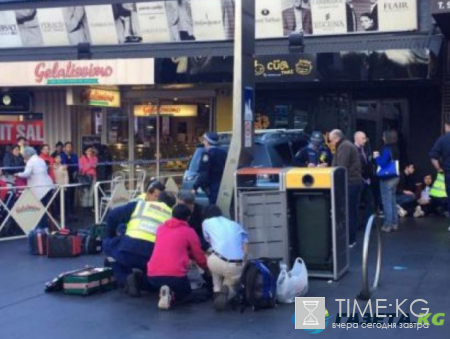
(212,165)
(308,155)
(128,253)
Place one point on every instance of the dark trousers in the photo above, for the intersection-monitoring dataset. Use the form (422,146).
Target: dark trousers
(447,188)
(354,192)
(124,265)
(367,200)
(180,286)
(125,261)
(43,223)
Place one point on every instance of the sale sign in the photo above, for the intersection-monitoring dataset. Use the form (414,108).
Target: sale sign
(10,131)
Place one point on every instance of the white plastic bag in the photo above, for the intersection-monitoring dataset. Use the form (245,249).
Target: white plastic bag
(195,276)
(293,283)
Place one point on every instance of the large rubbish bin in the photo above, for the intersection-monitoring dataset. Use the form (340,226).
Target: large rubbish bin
(261,209)
(317,219)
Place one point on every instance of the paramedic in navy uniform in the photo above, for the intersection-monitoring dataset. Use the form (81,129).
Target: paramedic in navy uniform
(212,164)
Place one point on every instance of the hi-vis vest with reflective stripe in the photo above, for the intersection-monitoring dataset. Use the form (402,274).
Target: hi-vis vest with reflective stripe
(146,219)
(438,188)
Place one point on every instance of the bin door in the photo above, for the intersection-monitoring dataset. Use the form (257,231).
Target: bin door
(263,214)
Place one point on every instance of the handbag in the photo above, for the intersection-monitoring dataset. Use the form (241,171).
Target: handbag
(84,179)
(390,170)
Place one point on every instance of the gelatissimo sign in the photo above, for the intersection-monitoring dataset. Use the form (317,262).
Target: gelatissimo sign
(93,97)
(78,72)
(171,110)
(285,67)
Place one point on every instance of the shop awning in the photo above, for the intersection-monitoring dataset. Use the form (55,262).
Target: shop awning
(354,43)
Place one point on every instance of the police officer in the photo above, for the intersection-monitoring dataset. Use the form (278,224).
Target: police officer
(316,154)
(212,164)
(131,234)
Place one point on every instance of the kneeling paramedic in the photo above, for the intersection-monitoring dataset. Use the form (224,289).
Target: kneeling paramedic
(131,235)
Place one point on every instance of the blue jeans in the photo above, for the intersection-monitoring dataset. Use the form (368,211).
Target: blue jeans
(407,202)
(388,190)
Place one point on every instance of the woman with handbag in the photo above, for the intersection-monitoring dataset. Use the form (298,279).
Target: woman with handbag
(388,174)
(87,176)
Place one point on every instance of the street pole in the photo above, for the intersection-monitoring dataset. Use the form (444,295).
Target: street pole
(239,154)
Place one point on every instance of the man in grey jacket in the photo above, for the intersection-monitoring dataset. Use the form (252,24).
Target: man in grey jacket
(347,156)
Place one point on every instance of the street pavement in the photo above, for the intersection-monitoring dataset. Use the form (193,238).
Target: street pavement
(416,265)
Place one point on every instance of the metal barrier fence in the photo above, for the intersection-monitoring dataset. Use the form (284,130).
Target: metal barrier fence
(21,211)
(120,190)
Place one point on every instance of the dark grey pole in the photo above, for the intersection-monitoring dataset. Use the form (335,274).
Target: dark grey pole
(243,100)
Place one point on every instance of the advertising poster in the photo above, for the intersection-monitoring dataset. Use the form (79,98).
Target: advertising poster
(366,14)
(208,20)
(395,15)
(101,23)
(328,17)
(9,30)
(153,21)
(269,23)
(297,17)
(77,27)
(30,31)
(53,27)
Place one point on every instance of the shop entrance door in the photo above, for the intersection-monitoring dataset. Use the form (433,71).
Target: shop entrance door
(376,116)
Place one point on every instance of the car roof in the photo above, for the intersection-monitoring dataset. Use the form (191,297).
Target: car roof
(267,136)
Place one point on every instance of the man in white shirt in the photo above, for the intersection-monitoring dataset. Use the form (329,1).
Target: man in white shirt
(228,251)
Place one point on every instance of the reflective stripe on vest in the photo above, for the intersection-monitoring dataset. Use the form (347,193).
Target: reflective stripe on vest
(146,219)
(438,188)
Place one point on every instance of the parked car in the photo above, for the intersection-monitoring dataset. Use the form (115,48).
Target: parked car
(272,148)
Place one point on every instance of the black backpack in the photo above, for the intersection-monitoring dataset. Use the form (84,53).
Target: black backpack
(92,239)
(258,284)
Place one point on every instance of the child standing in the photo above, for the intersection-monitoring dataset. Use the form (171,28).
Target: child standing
(61,176)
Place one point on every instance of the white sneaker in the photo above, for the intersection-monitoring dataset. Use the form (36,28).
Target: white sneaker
(165,298)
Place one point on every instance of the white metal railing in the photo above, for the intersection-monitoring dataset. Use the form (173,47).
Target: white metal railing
(19,205)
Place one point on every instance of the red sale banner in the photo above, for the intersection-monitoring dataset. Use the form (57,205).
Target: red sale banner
(11,130)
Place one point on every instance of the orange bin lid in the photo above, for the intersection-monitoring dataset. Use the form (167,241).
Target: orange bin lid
(255,171)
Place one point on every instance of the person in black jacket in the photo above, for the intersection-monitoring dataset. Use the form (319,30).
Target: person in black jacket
(13,161)
(366,173)
(212,165)
(347,156)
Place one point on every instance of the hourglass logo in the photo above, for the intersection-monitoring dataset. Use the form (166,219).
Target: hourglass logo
(310,313)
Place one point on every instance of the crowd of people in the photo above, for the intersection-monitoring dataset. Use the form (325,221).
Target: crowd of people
(376,184)
(40,169)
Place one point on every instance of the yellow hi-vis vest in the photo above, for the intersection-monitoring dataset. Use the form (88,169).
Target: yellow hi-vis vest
(438,188)
(146,219)
(142,196)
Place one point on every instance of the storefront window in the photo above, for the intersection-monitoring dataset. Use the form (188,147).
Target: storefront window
(170,130)
(117,136)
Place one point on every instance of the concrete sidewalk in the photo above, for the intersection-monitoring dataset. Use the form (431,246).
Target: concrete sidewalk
(416,266)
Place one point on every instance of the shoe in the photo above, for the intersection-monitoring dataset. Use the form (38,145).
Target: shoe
(352,245)
(165,298)
(108,261)
(395,228)
(386,229)
(401,212)
(134,283)
(221,299)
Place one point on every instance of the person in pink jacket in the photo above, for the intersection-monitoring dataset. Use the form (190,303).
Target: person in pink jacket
(88,169)
(176,245)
